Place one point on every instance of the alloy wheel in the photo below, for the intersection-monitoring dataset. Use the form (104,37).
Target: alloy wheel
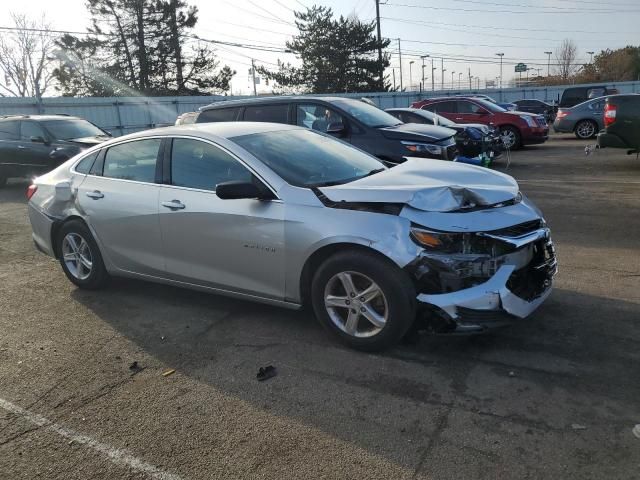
(356,304)
(77,256)
(585,130)
(508,138)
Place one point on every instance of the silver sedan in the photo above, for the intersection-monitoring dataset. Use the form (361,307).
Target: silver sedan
(585,120)
(287,216)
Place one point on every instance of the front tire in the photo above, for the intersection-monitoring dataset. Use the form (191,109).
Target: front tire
(366,301)
(80,256)
(511,137)
(586,129)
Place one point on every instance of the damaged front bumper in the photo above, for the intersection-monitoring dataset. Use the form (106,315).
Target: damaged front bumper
(519,283)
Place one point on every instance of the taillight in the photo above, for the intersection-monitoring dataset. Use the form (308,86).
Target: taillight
(609,114)
(561,114)
(31,190)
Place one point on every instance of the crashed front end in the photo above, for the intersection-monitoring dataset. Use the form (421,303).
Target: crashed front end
(471,282)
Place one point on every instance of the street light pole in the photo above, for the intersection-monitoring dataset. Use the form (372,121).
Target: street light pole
(380,66)
(452,85)
(410,75)
(400,55)
(591,55)
(433,76)
(253,77)
(459,80)
(548,54)
(443,70)
(501,54)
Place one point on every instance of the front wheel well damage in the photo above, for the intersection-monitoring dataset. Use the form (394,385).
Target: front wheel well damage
(55,229)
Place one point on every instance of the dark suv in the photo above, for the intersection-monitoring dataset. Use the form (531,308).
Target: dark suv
(34,144)
(358,123)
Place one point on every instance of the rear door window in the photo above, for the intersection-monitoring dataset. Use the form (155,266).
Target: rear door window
(445,107)
(218,115)
(465,106)
(10,130)
(266,113)
(596,92)
(133,160)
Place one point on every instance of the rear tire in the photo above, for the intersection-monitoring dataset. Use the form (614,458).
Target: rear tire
(511,137)
(366,301)
(586,129)
(80,256)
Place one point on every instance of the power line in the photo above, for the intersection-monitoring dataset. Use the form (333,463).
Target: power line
(283,6)
(268,12)
(550,7)
(500,11)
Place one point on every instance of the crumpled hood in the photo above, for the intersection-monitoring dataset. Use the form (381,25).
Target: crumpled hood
(417,132)
(432,186)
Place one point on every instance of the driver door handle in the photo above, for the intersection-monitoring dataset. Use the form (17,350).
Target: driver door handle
(174,205)
(96,194)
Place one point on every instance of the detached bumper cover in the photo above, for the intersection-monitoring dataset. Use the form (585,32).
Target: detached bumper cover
(511,293)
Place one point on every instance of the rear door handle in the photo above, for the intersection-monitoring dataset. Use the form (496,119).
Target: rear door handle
(174,205)
(96,194)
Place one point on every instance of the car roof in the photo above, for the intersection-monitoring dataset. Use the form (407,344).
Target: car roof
(274,99)
(213,130)
(40,117)
(405,109)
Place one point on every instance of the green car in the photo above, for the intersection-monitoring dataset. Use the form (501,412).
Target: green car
(621,123)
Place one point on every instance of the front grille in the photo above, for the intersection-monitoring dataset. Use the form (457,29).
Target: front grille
(518,230)
(541,121)
(531,281)
(486,318)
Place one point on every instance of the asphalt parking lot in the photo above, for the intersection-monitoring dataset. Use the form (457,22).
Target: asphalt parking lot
(552,397)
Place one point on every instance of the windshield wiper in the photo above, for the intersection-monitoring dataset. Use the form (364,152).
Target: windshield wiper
(374,171)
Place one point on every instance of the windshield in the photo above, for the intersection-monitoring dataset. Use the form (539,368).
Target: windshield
(436,119)
(68,129)
(307,159)
(368,114)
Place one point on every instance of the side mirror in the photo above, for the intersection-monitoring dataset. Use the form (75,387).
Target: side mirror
(336,128)
(238,189)
(38,139)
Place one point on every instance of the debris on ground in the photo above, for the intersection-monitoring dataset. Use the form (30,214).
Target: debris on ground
(636,431)
(265,373)
(134,367)
(577,426)
(166,373)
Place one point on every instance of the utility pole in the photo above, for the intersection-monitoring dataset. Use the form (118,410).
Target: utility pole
(548,54)
(424,85)
(379,45)
(433,76)
(410,75)
(400,55)
(501,54)
(459,80)
(393,71)
(442,77)
(470,87)
(253,76)
(477,83)
(591,54)
(452,84)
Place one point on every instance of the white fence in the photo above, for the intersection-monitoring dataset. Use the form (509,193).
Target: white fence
(123,115)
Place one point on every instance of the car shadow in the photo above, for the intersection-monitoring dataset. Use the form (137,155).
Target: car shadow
(575,345)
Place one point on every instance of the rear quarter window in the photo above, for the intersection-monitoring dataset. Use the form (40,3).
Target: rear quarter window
(218,115)
(10,130)
(84,165)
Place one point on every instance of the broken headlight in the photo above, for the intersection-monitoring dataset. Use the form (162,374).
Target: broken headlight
(446,242)
(416,147)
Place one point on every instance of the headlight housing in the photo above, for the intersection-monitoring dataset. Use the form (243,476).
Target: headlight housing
(530,121)
(445,242)
(416,147)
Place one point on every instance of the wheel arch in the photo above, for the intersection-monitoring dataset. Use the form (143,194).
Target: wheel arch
(55,230)
(316,259)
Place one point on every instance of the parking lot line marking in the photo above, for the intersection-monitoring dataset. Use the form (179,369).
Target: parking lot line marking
(116,455)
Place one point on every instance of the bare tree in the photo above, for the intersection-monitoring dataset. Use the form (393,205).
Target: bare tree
(566,56)
(26,60)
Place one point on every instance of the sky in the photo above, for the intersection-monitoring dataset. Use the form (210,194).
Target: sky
(461,36)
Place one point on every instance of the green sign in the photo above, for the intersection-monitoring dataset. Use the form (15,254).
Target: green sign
(521,67)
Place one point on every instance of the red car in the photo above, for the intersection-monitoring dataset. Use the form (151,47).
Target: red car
(517,128)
